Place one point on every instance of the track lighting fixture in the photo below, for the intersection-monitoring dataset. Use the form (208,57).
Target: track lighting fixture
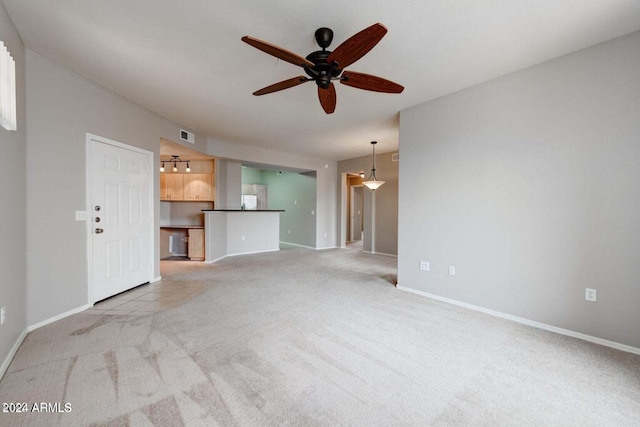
(175,160)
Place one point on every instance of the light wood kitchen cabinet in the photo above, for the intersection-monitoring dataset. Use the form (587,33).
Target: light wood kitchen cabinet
(171,186)
(196,244)
(198,187)
(192,187)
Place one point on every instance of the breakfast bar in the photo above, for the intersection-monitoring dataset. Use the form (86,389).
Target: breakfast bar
(230,232)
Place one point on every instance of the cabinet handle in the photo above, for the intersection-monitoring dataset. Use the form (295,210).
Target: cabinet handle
(99,230)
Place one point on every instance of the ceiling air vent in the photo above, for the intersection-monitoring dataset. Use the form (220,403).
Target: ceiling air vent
(187,136)
(395,157)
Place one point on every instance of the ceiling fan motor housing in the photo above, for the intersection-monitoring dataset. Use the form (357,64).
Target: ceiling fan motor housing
(324,37)
(322,72)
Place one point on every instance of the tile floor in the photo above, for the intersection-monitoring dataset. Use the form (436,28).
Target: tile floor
(149,298)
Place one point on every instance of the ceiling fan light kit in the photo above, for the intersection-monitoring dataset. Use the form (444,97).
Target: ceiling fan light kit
(324,66)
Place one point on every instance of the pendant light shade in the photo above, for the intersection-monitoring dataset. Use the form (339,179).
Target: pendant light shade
(372,182)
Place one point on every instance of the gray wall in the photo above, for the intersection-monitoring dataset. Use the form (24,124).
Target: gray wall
(296,194)
(228,184)
(13,197)
(383,238)
(530,185)
(61,108)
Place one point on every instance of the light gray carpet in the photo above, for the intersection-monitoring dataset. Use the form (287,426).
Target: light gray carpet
(301,338)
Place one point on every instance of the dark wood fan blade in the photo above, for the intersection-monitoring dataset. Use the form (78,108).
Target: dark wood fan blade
(369,82)
(278,52)
(327,98)
(285,84)
(357,45)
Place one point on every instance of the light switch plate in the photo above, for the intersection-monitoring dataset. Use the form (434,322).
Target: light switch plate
(81,215)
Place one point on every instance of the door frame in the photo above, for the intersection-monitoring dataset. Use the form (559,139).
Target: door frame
(344,214)
(351,209)
(89,223)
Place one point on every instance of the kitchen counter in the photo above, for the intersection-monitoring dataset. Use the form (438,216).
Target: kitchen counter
(230,232)
(183,240)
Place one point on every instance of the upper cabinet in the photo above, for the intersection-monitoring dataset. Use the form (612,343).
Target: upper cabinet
(171,186)
(198,187)
(195,186)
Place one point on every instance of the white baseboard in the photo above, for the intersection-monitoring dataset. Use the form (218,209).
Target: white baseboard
(385,254)
(157,279)
(295,244)
(215,260)
(31,328)
(308,247)
(240,253)
(14,349)
(254,252)
(172,254)
(561,331)
(58,317)
(380,253)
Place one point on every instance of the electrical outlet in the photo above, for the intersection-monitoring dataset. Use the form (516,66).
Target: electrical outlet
(424,265)
(590,294)
(452,270)
(81,215)
(2,316)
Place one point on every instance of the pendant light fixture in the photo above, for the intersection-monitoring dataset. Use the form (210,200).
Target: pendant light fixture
(175,160)
(372,182)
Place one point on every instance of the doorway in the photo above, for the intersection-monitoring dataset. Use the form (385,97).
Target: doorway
(356,210)
(120,217)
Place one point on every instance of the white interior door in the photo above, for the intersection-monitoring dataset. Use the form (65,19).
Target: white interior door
(121,218)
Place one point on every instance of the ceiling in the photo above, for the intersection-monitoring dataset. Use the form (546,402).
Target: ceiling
(185,60)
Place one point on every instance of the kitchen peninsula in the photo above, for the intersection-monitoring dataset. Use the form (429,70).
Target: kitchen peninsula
(230,232)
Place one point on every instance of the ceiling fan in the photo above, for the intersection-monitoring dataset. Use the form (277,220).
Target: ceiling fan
(323,66)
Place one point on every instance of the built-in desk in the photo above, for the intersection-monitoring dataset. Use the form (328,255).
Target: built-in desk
(231,232)
(195,239)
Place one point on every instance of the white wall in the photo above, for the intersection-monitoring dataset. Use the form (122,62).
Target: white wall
(530,185)
(61,108)
(13,197)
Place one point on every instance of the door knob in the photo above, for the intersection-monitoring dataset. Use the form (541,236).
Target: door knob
(97,219)
(97,208)
(99,230)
